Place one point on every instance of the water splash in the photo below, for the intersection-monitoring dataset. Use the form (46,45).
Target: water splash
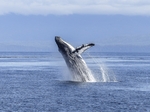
(79,72)
(104,74)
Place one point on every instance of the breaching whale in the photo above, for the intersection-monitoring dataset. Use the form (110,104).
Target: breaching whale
(76,64)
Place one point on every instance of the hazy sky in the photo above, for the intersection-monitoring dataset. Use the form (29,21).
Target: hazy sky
(113,25)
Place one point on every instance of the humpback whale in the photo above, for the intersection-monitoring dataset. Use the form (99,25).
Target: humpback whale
(72,56)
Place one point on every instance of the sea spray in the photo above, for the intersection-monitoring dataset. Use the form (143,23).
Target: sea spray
(103,74)
(78,73)
(84,71)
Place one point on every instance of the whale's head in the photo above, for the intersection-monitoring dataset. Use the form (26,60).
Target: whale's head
(63,46)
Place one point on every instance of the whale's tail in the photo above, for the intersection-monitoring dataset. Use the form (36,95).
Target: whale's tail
(82,48)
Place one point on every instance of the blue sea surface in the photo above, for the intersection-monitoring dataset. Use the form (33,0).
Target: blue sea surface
(37,82)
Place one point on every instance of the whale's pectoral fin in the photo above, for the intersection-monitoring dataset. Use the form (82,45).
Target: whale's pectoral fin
(82,48)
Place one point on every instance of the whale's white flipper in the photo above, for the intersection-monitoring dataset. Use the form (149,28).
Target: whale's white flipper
(82,48)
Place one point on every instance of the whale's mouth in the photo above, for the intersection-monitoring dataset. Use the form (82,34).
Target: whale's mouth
(59,42)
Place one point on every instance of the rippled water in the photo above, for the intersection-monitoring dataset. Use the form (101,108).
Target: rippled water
(39,82)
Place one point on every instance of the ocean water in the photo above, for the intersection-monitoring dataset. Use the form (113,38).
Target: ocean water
(40,82)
